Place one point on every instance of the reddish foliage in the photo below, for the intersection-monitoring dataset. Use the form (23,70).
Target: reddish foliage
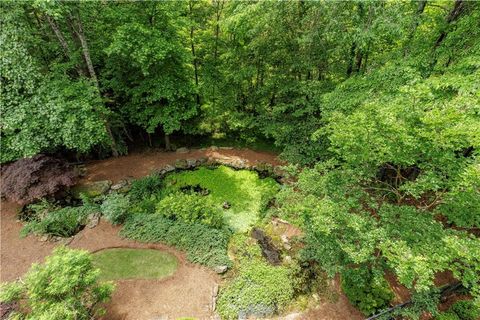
(29,179)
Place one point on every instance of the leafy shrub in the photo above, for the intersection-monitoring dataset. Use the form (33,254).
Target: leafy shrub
(65,287)
(259,290)
(447,316)
(59,222)
(191,208)
(115,207)
(203,244)
(145,187)
(367,291)
(29,179)
(466,310)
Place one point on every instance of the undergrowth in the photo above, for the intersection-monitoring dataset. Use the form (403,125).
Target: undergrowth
(203,244)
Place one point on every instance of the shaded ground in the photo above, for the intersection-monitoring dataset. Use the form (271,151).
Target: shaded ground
(187,293)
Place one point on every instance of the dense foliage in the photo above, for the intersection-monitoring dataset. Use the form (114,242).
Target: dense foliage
(368,292)
(259,290)
(191,208)
(203,244)
(33,178)
(378,99)
(244,192)
(65,287)
(115,207)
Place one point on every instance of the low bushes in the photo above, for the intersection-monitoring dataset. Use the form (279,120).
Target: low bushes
(203,244)
(191,208)
(115,207)
(466,310)
(65,287)
(367,291)
(259,290)
(145,187)
(30,179)
(53,221)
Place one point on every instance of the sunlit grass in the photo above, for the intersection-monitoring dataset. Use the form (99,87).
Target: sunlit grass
(125,263)
(242,189)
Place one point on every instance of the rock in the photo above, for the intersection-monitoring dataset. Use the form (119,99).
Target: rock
(269,251)
(263,167)
(92,189)
(287,259)
(44,238)
(201,160)
(226,148)
(66,241)
(183,150)
(238,164)
(181,164)
(191,163)
(220,269)
(122,183)
(93,220)
(80,170)
(226,205)
(292,316)
(278,171)
(284,238)
(168,168)
(214,148)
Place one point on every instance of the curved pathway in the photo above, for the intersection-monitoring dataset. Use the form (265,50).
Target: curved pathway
(187,293)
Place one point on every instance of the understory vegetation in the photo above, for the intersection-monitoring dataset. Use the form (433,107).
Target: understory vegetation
(374,106)
(65,287)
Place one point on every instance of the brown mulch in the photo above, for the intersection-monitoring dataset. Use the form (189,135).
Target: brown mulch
(187,293)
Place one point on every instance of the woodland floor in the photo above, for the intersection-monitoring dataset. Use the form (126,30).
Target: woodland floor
(188,292)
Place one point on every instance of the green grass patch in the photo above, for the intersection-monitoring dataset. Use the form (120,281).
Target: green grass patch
(247,194)
(125,263)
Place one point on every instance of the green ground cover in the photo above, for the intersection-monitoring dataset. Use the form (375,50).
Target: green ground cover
(125,263)
(247,194)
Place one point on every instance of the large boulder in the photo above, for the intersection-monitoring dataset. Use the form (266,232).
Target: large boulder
(92,189)
(183,150)
(181,164)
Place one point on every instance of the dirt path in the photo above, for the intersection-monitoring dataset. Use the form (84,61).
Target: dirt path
(186,293)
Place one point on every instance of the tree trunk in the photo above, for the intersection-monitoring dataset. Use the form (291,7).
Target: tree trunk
(77,27)
(53,24)
(350,59)
(85,51)
(168,146)
(195,62)
(452,16)
(420,8)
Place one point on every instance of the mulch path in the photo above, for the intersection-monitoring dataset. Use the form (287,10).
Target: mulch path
(187,293)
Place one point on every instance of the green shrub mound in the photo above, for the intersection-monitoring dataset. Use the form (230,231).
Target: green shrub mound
(65,287)
(259,290)
(115,208)
(145,187)
(191,208)
(203,244)
(129,263)
(466,310)
(447,316)
(367,291)
(59,222)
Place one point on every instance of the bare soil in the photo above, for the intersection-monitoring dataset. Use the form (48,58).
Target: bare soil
(187,293)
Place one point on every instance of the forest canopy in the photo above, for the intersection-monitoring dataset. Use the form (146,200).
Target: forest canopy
(378,101)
